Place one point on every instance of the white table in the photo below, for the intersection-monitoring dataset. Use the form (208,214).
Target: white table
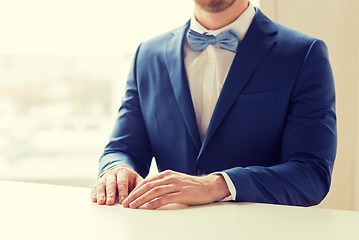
(36,211)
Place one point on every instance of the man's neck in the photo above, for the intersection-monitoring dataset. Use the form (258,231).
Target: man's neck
(214,21)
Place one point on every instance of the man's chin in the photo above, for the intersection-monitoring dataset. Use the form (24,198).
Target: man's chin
(214,6)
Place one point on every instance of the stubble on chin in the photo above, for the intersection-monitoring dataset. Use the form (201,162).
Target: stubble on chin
(214,6)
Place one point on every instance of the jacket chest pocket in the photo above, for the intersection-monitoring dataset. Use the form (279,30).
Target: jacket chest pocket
(257,97)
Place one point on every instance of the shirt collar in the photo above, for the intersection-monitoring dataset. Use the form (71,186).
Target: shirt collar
(239,26)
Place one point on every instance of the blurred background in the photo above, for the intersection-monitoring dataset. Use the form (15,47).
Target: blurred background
(64,65)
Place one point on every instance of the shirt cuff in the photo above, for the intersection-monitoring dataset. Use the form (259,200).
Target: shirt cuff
(230,185)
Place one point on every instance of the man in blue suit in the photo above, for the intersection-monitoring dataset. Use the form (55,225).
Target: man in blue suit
(232,106)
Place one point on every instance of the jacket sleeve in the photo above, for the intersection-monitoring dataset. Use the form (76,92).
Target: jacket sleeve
(309,142)
(128,144)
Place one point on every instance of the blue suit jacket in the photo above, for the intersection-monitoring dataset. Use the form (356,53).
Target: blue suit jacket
(273,130)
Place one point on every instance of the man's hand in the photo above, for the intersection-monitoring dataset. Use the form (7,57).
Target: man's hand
(121,179)
(172,187)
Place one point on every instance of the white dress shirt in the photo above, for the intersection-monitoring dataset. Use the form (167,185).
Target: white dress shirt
(207,71)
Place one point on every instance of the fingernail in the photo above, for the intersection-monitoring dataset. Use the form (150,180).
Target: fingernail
(100,199)
(121,199)
(132,205)
(109,199)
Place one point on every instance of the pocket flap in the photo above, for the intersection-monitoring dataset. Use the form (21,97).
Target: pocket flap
(257,97)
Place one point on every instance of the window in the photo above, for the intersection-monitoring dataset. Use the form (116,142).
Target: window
(63,68)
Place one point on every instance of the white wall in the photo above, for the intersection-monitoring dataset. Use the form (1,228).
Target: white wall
(356,66)
(337,23)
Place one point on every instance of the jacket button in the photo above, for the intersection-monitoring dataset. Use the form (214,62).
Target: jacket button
(200,172)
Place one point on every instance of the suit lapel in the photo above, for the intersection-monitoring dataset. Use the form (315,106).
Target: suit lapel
(176,70)
(253,48)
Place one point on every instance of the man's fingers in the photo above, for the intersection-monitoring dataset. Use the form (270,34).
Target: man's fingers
(120,179)
(110,189)
(101,191)
(94,194)
(153,178)
(146,187)
(122,186)
(146,180)
(165,200)
(152,194)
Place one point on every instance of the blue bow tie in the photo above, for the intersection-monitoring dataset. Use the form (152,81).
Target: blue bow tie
(227,40)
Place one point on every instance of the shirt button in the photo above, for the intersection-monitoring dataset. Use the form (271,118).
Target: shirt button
(206,103)
(210,60)
(200,172)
